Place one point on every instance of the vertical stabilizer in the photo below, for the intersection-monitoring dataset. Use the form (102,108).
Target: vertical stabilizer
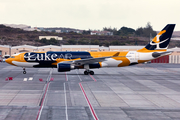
(161,41)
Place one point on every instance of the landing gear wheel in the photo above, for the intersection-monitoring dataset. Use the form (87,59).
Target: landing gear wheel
(91,72)
(85,72)
(88,72)
(24,72)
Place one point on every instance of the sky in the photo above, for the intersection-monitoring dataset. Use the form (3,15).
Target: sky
(91,14)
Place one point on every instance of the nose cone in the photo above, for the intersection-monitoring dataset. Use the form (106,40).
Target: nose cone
(9,61)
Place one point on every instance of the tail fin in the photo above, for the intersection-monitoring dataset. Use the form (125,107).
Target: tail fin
(161,41)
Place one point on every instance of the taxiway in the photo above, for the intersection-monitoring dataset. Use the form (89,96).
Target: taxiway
(141,92)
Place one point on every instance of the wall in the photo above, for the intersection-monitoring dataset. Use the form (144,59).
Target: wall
(164,59)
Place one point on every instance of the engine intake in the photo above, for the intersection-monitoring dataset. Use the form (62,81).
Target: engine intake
(63,67)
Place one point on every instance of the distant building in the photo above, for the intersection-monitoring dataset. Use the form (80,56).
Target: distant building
(80,47)
(58,31)
(49,37)
(79,31)
(10,50)
(23,27)
(125,48)
(40,28)
(101,33)
(62,30)
(175,38)
(4,50)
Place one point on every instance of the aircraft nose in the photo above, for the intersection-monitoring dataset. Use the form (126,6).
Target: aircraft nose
(8,61)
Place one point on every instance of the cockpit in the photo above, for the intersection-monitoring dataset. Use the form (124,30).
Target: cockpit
(12,57)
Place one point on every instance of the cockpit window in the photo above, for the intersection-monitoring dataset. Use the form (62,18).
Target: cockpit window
(12,57)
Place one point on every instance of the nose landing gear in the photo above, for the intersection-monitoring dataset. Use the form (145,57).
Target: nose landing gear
(24,71)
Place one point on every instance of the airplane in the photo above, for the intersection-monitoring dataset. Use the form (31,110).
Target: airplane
(68,60)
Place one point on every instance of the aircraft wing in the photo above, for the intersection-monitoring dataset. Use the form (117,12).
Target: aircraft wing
(90,60)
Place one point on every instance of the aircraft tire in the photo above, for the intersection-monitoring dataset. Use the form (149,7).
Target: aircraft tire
(91,72)
(24,72)
(85,73)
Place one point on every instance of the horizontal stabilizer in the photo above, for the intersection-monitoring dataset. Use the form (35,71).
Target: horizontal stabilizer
(157,54)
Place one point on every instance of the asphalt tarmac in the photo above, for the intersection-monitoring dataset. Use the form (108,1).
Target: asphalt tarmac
(140,92)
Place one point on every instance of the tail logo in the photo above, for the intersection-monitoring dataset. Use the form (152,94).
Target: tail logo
(156,41)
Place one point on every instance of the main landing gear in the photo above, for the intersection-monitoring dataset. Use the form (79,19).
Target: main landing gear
(24,71)
(88,72)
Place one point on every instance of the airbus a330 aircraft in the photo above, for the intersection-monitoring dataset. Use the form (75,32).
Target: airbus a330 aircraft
(68,60)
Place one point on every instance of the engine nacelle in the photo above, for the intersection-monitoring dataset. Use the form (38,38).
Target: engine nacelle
(63,67)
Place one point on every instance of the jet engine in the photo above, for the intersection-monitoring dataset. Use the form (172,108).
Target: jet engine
(63,67)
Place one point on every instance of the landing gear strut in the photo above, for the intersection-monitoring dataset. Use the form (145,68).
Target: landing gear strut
(24,71)
(86,72)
